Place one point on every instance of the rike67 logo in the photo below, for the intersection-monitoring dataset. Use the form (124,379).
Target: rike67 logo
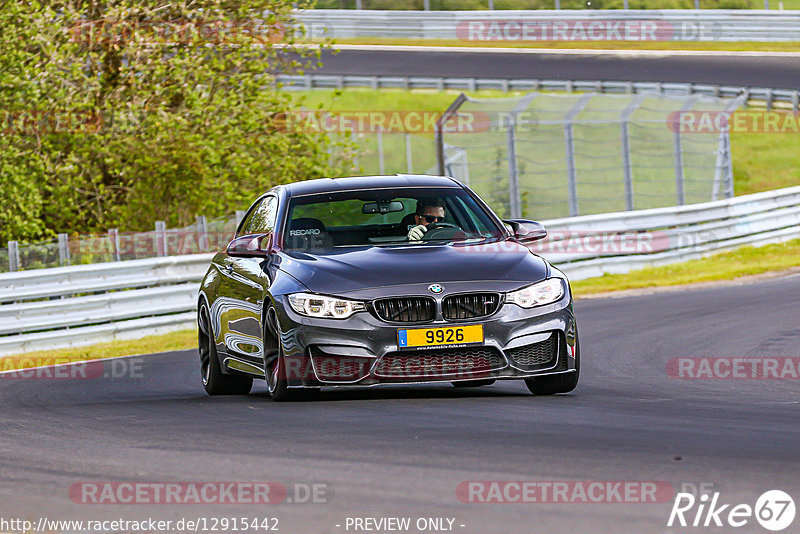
(774,510)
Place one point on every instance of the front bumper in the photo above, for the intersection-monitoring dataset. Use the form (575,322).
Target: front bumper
(363,350)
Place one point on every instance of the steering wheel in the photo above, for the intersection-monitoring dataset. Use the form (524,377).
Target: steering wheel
(441,230)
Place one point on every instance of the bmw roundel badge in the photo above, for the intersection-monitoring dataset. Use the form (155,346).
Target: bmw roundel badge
(436,288)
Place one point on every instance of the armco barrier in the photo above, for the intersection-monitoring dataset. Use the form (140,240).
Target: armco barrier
(72,306)
(513,26)
(754,96)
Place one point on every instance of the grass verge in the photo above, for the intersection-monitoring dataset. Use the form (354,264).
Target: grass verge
(181,340)
(744,261)
(745,46)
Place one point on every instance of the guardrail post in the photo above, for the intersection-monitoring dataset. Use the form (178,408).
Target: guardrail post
(795,99)
(63,249)
(427,5)
(13,256)
(513,177)
(113,236)
(239,216)
(409,162)
(202,233)
(161,238)
(558,4)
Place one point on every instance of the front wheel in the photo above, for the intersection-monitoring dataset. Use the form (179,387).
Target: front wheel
(561,383)
(275,364)
(215,381)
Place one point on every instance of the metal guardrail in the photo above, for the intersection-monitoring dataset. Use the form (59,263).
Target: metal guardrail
(85,304)
(755,96)
(129,299)
(556,25)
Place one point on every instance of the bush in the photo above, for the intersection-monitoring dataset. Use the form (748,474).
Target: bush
(120,114)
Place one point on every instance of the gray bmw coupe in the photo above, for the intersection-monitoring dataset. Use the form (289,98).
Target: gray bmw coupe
(383,280)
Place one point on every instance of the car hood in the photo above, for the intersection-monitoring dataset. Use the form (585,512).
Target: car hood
(339,271)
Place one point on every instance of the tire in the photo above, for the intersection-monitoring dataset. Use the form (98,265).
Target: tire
(214,380)
(562,383)
(473,383)
(275,364)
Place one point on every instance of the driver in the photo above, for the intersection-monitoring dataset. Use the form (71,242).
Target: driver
(429,211)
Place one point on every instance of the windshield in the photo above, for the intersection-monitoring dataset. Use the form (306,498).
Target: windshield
(387,217)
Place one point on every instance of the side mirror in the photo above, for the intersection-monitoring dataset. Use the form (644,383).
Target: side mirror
(250,246)
(526,231)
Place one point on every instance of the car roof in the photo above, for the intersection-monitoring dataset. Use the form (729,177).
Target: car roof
(355,183)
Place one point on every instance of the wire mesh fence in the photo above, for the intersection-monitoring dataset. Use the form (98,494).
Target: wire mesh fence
(203,236)
(555,155)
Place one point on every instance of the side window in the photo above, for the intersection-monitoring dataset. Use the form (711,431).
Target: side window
(263,217)
(245,224)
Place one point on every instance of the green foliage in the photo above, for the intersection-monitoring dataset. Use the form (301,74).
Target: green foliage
(122,113)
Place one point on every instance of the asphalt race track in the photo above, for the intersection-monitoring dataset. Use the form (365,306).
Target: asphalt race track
(396,451)
(779,71)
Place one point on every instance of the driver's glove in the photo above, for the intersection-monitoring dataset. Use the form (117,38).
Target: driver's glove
(416,233)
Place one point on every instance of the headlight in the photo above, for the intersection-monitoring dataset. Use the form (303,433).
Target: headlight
(545,292)
(321,306)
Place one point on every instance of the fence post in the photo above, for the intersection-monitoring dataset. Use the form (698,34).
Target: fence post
(354,140)
(13,256)
(63,249)
(161,238)
(381,163)
(113,236)
(627,166)
(202,233)
(513,177)
(409,162)
(678,152)
(569,141)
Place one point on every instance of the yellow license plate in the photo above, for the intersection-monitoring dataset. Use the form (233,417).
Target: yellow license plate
(432,337)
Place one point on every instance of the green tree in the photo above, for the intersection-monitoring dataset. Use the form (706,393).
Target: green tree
(121,113)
